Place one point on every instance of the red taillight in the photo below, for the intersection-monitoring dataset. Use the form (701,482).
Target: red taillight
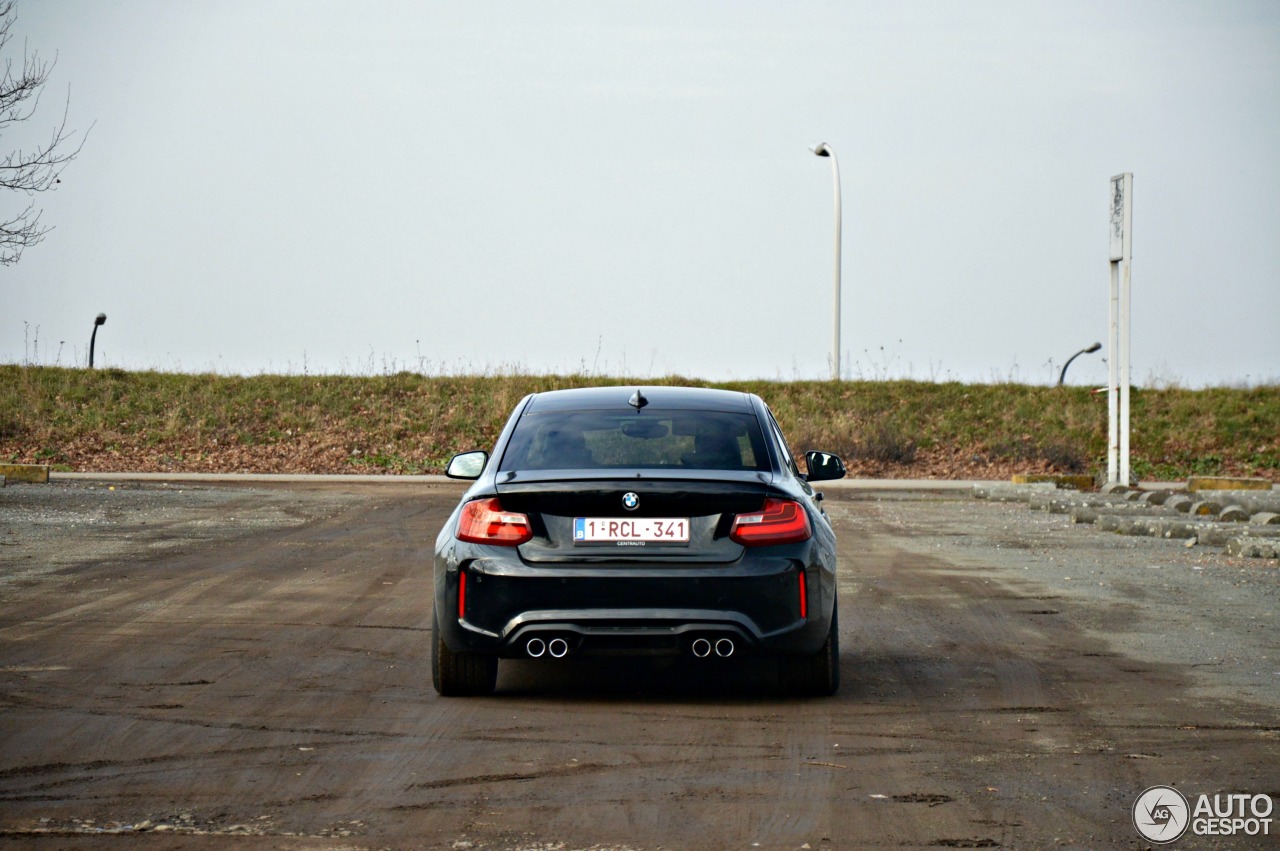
(484,522)
(781,521)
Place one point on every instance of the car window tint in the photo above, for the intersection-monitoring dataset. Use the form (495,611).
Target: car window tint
(587,440)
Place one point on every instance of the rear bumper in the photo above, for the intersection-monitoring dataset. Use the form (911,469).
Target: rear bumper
(634,609)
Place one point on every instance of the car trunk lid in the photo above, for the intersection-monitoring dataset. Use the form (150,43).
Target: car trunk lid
(553,501)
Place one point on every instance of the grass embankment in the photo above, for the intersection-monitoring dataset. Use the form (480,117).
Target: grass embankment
(112,420)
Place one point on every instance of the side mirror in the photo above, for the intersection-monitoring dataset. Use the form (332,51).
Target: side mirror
(823,466)
(467,465)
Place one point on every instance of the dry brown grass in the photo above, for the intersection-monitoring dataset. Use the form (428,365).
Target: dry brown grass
(111,420)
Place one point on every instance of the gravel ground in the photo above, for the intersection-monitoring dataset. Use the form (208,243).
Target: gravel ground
(47,528)
(183,664)
(1153,599)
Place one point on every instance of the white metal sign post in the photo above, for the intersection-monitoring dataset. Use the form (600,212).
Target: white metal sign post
(1118,357)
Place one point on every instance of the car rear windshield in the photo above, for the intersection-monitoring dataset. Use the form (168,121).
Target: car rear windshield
(601,440)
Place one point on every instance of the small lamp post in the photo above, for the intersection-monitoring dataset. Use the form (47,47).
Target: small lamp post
(101,320)
(1062,376)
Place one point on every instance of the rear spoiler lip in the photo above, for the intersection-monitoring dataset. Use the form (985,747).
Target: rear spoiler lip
(641,481)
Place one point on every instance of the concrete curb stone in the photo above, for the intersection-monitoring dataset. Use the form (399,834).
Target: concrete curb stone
(1012,493)
(1249,547)
(1233,514)
(1217,535)
(1173,529)
(1090,514)
(1205,507)
(36,474)
(1065,504)
(1227,483)
(1251,501)
(1152,527)
(1066,481)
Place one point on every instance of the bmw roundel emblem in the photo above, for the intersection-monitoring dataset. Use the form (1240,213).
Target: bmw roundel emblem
(630,501)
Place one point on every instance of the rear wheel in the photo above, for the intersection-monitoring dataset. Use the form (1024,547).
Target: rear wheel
(814,674)
(457,674)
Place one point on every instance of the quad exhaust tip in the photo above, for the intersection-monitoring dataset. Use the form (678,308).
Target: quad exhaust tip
(702,647)
(558,648)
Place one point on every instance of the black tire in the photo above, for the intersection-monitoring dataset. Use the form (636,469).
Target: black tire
(458,674)
(814,674)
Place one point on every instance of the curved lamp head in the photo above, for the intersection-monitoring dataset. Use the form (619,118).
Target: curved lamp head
(101,320)
(1093,348)
(820,149)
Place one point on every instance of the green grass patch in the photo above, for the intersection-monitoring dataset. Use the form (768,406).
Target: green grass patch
(408,423)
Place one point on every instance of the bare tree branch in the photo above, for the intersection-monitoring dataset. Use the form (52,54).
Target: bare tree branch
(29,170)
(21,231)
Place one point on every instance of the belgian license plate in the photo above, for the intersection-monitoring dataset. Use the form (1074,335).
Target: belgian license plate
(631,531)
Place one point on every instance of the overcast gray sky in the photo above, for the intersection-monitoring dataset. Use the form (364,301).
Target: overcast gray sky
(626,187)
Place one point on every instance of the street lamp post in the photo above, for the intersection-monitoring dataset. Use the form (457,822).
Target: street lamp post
(1062,376)
(822,149)
(101,320)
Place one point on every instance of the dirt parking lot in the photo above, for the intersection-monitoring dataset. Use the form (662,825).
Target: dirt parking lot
(202,666)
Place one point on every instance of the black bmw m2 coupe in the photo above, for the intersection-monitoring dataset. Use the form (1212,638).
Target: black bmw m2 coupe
(637,521)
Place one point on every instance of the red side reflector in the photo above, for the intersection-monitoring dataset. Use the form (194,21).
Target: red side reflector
(804,598)
(483,521)
(462,595)
(781,521)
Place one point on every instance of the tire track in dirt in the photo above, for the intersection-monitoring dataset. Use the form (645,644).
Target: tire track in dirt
(299,659)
